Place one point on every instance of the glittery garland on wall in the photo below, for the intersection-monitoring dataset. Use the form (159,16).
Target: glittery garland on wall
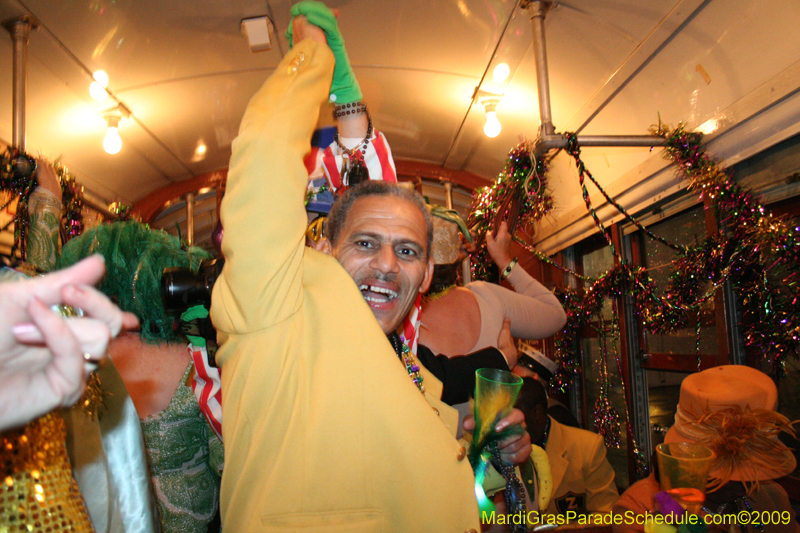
(759,255)
(761,252)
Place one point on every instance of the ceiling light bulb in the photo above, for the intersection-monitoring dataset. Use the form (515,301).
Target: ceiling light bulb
(112,143)
(500,73)
(493,126)
(199,152)
(98,87)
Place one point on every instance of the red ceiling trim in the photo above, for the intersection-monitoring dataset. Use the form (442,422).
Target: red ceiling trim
(151,205)
(415,170)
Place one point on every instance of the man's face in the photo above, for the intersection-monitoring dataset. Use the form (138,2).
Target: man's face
(383,247)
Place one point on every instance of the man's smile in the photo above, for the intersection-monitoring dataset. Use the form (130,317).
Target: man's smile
(377,294)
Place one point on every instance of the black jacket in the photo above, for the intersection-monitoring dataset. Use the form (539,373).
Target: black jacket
(457,373)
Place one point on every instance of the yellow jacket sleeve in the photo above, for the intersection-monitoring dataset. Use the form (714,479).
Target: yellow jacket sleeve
(263,212)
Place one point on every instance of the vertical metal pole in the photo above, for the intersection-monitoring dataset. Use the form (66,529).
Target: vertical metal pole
(537,9)
(190,218)
(20,30)
(466,270)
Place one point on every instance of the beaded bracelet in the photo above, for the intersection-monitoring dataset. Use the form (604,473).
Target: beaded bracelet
(354,108)
(507,270)
(351,152)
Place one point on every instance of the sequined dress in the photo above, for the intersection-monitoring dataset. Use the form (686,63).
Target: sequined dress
(38,490)
(177,443)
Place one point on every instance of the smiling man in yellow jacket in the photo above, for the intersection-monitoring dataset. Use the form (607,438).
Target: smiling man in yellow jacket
(324,429)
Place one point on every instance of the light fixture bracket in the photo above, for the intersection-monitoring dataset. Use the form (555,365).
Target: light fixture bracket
(489,103)
(120,110)
(114,115)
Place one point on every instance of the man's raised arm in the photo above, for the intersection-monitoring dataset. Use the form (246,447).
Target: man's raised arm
(263,210)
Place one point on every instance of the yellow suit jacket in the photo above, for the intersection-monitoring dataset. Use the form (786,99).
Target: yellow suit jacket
(324,430)
(582,476)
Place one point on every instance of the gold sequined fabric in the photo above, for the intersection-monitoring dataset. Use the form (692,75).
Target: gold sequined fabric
(38,492)
(92,402)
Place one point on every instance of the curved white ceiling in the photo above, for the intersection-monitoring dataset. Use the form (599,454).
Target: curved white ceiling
(185,72)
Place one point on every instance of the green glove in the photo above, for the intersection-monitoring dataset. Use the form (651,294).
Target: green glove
(344,88)
(198,311)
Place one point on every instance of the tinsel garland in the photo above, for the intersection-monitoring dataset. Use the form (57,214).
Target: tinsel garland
(606,417)
(756,243)
(519,196)
(759,254)
(18,177)
(72,199)
(123,212)
(762,250)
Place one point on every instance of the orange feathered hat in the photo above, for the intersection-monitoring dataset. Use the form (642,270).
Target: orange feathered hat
(731,409)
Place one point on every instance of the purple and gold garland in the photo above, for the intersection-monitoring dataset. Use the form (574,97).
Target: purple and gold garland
(518,195)
(72,198)
(759,254)
(18,176)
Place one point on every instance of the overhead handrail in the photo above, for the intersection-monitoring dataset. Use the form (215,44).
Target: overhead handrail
(548,138)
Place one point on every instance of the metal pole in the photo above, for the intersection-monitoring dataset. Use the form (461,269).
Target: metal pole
(558,140)
(20,30)
(538,9)
(448,194)
(621,140)
(190,218)
(548,138)
(466,270)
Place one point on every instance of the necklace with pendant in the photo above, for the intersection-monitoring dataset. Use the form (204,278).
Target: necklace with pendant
(412,367)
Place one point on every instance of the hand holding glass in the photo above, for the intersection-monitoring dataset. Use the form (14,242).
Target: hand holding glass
(683,469)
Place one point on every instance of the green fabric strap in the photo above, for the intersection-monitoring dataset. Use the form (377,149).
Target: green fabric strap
(344,88)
